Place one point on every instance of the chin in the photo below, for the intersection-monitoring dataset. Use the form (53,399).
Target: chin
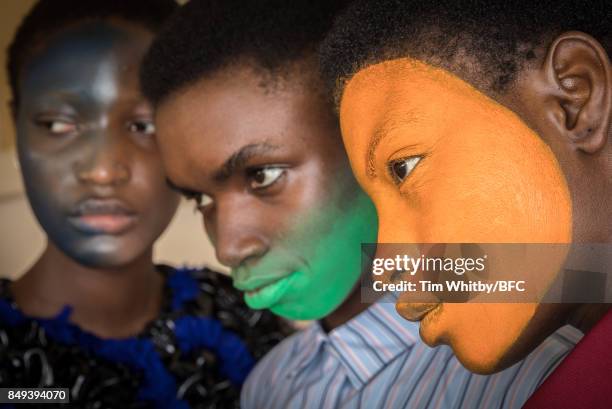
(485,362)
(430,335)
(470,356)
(477,363)
(101,254)
(479,357)
(102,260)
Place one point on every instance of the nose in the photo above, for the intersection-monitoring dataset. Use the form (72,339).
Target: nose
(397,226)
(397,234)
(236,232)
(106,165)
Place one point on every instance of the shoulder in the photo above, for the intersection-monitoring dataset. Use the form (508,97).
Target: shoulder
(284,353)
(527,375)
(197,291)
(275,365)
(549,354)
(10,315)
(5,290)
(565,338)
(204,292)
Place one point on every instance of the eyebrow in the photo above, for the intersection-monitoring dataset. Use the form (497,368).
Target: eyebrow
(239,158)
(235,161)
(380,133)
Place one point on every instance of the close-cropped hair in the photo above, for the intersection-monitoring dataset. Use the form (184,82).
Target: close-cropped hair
(485,41)
(206,36)
(48,17)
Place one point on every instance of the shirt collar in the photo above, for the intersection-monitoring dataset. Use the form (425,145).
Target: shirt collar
(364,345)
(307,346)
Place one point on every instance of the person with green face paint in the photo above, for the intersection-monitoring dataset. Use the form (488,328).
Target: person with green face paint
(278,197)
(246,131)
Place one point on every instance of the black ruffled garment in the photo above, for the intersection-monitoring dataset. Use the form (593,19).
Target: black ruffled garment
(196,354)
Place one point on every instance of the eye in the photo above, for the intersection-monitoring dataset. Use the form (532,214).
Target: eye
(261,178)
(58,127)
(145,127)
(201,201)
(401,168)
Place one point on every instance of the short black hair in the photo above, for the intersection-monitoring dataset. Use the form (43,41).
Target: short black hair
(48,17)
(485,41)
(208,35)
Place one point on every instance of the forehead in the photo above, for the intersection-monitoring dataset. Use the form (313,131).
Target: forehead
(199,128)
(81,53)
(395,93)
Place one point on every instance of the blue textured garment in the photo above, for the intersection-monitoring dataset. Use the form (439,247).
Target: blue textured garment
(139,353)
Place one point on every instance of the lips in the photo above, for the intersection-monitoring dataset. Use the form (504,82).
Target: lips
(264,292)
(102,216)
(416,311)
(255,283)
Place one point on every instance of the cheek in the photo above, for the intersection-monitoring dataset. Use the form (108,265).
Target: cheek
(154,196)
(482,334)
(327,206)
(397,219)
(494,189)
(47,181)
(311,200)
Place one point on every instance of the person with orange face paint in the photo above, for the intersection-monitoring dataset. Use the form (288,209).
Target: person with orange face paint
(481,122)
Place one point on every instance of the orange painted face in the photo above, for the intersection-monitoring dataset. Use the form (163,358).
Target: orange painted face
(444,163)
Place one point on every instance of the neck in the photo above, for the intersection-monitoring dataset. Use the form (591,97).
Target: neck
(110,302)
(350,308)
(585,316)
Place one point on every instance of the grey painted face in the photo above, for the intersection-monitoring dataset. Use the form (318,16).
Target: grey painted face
(86,144)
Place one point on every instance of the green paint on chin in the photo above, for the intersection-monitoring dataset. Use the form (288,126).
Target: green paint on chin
(333,269)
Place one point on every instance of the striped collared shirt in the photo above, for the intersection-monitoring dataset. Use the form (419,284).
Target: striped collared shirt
(377,360)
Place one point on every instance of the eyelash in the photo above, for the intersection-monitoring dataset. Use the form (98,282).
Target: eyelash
(133,127)
(252,173)
(414,161)
(48,124)
(197,198)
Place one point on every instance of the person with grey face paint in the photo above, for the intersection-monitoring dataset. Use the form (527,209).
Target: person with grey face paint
(94,314)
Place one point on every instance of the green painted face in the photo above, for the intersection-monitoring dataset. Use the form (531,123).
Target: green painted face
(330,242)
(278,197)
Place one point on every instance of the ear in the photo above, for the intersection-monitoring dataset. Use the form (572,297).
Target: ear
(578,69)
